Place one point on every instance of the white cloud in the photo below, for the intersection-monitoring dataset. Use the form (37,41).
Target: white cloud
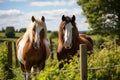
(53,3)
(2,1)
(18,0)
(53,18)
(10,12)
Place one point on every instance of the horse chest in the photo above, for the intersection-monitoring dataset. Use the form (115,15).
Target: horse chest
(35,54)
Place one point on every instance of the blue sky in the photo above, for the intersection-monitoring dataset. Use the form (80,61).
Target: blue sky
(18,13)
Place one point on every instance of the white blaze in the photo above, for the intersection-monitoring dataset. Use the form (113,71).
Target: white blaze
(68,34)
(37,40)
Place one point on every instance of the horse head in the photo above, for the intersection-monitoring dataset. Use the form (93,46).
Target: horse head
(68,30)
(39,31)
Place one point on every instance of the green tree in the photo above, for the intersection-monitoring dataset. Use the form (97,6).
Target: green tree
(10,32)
(54,34)
(103,16)
(22,30)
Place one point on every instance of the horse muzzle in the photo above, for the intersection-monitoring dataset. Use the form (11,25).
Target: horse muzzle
(67,46)
(35,45)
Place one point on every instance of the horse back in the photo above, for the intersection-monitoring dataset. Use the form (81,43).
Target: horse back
(85,39)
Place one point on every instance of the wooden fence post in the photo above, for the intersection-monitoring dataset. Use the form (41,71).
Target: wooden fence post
(9,53)
(16,60)
(51,43)
(9,56)
(83,62)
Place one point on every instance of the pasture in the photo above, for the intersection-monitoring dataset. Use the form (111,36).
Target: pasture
(103,63)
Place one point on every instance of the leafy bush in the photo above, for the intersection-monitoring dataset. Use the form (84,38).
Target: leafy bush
(10,32)
(98,42)
(68,72)
(4,71)
(107,57)
(54,34)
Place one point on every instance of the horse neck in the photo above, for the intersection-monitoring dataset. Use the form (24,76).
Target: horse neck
(76,37)
(60,36)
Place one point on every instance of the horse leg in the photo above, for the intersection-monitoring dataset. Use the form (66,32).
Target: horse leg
(42,66)
(23,70)
(62,58)
(28,76)
(61,65)
(28,69)
(34,70)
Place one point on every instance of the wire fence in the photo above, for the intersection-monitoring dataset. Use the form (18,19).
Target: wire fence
(64,71)
(75,70)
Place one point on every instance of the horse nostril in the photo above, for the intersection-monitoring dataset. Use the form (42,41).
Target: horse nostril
(35,45)
(68,47)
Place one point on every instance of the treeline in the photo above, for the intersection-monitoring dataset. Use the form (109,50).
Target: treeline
(12,27)
(10,31)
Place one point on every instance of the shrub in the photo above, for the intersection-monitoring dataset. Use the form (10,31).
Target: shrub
(68,72)
(5,67)
(54,34)
(10,32)
(107,57)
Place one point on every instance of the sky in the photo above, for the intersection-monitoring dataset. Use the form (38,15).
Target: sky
(18,13)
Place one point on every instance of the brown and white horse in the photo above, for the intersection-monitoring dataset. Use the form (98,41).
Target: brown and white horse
(69,39)
(33,47)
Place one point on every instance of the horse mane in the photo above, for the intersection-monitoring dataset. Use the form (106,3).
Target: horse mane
(60,33)
(28,34)
(76,32)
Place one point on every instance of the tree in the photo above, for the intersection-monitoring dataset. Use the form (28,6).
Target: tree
(10,32)
(54,34)
(22,30)
(103,16)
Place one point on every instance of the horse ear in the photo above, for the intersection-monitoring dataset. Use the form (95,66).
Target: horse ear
(43,18)
(73,18)
(32,18)
(63,18)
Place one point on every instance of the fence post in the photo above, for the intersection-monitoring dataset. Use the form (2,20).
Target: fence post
(16,60)
(9,56)
(83,62)
(51,43)
(9,53)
